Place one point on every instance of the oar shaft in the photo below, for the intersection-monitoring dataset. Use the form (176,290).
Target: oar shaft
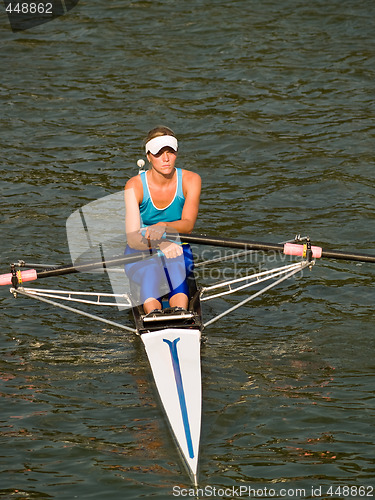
(56,271)
(91,266)
(359,257)
(278,247)
(32,274)
(231,243)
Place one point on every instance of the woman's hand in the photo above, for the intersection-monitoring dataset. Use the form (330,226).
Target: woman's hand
(171,250)
(155,232)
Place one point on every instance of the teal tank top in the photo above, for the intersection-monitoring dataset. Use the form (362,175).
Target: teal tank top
(151,214)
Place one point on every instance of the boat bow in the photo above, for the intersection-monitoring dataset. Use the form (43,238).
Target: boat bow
(174,357)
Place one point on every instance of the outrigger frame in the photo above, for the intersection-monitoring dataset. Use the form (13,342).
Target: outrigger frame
(199,295)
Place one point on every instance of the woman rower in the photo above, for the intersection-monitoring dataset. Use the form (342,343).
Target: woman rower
(162,199)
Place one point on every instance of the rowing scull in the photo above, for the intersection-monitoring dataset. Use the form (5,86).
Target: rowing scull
(172,341)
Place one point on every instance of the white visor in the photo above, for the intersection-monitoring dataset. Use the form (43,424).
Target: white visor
(157,143)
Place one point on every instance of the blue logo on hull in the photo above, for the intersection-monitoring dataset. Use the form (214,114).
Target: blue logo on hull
(181,393)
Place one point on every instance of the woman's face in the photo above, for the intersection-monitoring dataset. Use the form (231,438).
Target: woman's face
(164,161)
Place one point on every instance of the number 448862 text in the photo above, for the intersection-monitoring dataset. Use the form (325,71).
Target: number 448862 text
(29,8)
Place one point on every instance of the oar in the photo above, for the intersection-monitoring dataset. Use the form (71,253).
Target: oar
(16,277)
(286,248)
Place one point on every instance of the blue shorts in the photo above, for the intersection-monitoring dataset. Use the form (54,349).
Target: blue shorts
(160,276)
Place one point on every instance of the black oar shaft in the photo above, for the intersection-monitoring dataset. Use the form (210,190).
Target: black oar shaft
(91,266)
(33,274)
(359,257)
(56,271)
(228,242)
(278,247)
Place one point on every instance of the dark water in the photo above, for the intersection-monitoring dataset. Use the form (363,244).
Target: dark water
(273,103)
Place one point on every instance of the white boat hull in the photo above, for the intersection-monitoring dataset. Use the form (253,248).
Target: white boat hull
(174,356)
